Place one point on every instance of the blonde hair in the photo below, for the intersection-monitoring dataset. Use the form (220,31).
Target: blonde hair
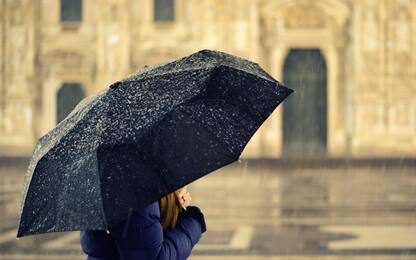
(169,211)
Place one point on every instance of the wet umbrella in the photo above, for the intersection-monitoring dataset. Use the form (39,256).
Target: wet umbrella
(144,137)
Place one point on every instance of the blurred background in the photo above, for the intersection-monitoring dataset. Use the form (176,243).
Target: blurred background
(330,175)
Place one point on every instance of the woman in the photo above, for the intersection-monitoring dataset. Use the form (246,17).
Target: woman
(166,229)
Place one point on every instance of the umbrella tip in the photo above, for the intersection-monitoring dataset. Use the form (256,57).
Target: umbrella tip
(115,85)
(207,52)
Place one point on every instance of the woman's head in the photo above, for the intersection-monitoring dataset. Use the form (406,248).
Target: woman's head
(171,205)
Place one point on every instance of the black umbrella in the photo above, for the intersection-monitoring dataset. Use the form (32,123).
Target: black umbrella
(144,137)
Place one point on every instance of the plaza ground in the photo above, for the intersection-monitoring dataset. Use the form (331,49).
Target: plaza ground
(261,211)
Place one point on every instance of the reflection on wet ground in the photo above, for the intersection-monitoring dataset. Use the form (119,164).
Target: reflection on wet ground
(267,212)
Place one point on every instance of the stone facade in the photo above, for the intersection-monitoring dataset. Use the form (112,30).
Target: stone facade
(367,45)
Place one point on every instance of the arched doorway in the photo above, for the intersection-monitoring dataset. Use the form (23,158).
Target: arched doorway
(305,113)
(68,97)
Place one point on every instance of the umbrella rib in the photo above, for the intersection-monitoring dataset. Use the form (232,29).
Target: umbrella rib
(144,77)
(194,69)
(100,191)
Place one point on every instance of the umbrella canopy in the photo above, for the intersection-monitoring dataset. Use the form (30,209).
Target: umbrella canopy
(144,137)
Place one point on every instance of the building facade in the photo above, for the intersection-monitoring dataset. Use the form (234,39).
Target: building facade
(351,62)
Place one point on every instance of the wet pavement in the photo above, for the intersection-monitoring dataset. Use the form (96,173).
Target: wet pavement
(266,212)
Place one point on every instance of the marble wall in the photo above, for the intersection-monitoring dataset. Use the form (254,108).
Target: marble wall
(367,44)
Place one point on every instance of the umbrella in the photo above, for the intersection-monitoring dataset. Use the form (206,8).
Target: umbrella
(144,137)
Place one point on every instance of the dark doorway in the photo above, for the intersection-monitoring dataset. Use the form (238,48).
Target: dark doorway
(68,97)
(305,112)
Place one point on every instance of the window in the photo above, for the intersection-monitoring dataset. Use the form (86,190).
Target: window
(68,96)
(71,10)
(164,10)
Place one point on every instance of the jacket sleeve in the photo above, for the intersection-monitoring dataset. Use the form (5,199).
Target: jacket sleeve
(144,238)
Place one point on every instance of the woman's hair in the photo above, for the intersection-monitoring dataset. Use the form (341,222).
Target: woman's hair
(169,211)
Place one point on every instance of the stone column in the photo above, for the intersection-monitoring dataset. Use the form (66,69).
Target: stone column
(18,74)
(2,61)
(384,98)
(113,41)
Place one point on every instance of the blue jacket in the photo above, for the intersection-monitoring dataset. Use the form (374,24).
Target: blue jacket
(142,237)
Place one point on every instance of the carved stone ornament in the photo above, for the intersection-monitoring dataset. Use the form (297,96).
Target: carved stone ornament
(66,58)
(305,15)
